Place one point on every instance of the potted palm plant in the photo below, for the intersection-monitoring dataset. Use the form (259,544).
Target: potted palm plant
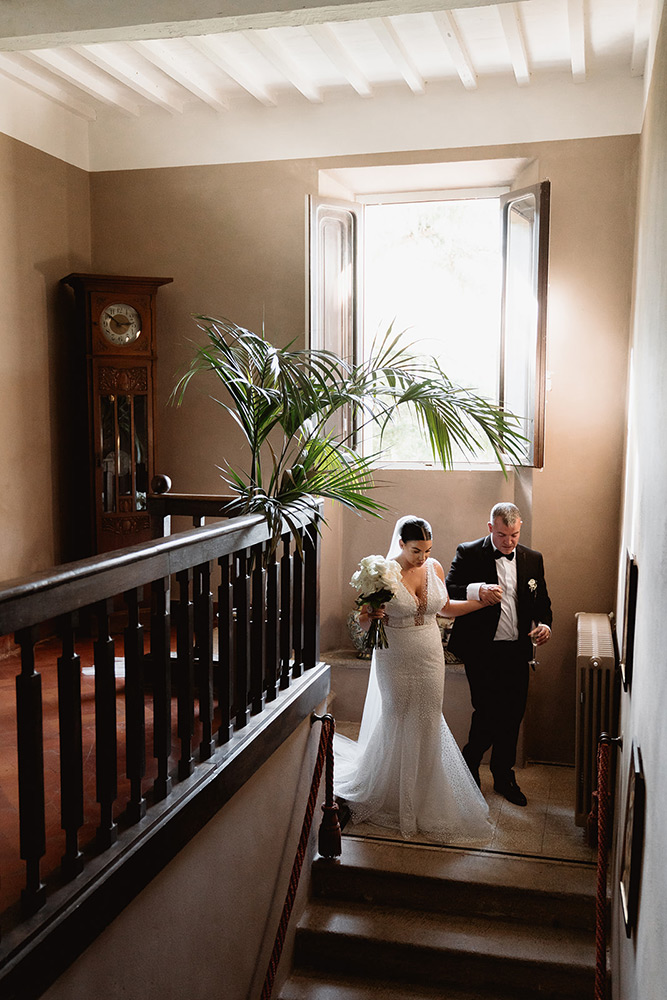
(286,401)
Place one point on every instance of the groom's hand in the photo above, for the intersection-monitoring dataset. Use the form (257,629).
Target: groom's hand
(540,634)
(490,593)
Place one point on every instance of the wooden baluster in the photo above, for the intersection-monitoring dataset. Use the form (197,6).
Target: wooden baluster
(297,610)
(272,630)
(257,665)
(161,677)
(241,634)
(106,750)
(204,637)
(32,824)
(286,613)
(225,672)
(71,749)
(311,597)
(185,660)
(135,712)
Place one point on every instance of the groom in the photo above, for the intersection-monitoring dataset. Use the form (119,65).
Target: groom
(495,643)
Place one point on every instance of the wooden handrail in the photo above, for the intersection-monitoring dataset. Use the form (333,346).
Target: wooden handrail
(263,605)
(62,589)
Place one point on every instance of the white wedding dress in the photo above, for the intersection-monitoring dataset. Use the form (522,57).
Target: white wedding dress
(406,771)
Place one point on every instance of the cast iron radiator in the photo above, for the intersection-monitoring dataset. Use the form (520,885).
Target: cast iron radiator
(597,702)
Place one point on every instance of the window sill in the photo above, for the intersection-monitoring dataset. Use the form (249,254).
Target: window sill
(437,467)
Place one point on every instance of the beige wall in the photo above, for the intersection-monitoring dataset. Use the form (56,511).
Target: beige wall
(640,963)
(205,925)
(234,240)
(44,234)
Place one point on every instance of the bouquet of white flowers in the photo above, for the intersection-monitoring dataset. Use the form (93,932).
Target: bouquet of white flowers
(377,580)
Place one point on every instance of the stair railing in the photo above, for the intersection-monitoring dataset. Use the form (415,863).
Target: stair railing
(230,626)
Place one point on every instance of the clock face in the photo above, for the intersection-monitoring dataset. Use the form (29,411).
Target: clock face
(120,324)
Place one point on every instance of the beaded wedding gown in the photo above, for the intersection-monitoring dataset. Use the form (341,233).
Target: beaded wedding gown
(406,771)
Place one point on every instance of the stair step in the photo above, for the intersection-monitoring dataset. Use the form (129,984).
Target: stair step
(435,949)
(536,891)
(312,987)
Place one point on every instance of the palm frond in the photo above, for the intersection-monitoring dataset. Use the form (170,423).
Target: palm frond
(296,393)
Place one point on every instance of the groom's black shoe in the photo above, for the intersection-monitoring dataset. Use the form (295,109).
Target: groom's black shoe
(511,791)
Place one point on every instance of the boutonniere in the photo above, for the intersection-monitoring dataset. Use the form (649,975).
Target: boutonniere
(532,586)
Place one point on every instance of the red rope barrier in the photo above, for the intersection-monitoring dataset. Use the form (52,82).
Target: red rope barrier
(604,753)
(329,841)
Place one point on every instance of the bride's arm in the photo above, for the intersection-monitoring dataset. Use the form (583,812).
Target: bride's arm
(454,609)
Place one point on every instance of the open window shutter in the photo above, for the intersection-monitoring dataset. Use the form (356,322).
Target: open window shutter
(525,220)
(335,242)
(335,285)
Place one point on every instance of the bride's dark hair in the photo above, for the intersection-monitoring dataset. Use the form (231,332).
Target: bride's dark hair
(416,530)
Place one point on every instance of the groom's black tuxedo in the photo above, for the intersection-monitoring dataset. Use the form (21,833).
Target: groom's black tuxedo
(497,670)
(475,563)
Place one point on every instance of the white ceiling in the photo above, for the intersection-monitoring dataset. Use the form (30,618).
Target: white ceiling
(227,71)
(190,78)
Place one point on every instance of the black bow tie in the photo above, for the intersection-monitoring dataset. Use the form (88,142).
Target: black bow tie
(508,555)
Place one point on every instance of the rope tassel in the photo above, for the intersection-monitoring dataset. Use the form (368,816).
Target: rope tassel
(328,841)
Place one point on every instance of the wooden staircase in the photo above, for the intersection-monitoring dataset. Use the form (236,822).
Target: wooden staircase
(392,920)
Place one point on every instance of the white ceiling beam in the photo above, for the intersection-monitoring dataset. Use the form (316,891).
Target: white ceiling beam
(9,66)
(45,24)
(110,59)
(219,54)
(161,55)
(275,52)
(330,44)
(510,20)
(397,52)
(74,73)
(577,23)
(641,36)
(452,38)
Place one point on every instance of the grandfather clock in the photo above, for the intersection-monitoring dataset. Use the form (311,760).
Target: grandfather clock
(116,321)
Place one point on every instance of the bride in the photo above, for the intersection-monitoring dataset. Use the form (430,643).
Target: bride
(406,771)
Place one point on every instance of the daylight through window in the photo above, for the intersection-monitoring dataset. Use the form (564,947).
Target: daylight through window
(434,270)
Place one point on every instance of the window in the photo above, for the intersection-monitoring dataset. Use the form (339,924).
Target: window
(462,275)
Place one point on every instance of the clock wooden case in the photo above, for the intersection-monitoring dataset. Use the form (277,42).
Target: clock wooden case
(117,330)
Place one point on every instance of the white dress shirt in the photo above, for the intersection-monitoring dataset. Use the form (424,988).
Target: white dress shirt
(508,626)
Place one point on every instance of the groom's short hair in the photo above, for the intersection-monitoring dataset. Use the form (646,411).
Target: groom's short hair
(508,513)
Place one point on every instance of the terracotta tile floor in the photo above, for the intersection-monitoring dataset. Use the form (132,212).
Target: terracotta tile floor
(12,869)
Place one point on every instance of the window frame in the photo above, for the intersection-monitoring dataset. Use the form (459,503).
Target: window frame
(323,211)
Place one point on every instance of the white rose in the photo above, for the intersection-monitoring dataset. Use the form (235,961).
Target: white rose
(376,573)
